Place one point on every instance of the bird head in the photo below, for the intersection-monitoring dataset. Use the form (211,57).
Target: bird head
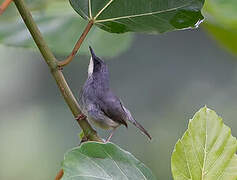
(97,65)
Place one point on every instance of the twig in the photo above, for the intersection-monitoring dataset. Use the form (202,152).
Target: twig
(59,175)
(50,59)
(4,6)
(77,45)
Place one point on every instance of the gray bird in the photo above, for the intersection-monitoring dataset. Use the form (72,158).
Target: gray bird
(101,106)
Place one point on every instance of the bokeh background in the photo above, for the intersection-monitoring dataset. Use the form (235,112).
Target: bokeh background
(163,80)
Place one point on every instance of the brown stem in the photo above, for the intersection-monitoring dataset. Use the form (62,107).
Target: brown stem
(50,59)
(4,6)
(59,175)
(77,45)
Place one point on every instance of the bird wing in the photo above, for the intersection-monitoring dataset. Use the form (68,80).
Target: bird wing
(112,108)
(98,117)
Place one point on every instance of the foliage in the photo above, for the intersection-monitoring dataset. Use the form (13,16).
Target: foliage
(61,28)
(221,21)
(206,151)
(93,160)
(139,15)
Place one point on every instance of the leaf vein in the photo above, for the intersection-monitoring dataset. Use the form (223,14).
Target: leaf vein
(143,14)
(116,164)
(219,157)
(85,175)
(205,147)
(140,172)
(83,13)
(90,13)
(95,163)
(103,9)
(194,150)
(186,160)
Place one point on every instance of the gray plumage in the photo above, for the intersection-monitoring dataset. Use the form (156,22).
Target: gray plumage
(101,106)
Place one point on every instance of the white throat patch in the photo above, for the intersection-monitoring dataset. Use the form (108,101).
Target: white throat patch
(91,67)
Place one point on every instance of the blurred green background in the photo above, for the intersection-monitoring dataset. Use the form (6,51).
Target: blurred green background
(163,80)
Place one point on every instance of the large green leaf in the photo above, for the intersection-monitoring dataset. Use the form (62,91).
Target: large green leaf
(119,16)
(61,28)
(97,161)
(206,151)
(221,22)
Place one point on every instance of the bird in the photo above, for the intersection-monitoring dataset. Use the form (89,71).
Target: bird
(98,102)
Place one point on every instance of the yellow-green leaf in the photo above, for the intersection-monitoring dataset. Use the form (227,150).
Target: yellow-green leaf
(206,151)
(221,22)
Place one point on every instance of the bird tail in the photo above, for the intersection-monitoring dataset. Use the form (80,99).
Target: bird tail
(139,126)
(135,123)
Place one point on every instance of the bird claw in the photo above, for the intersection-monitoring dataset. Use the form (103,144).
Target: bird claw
(108,139)
(80,117)
(110,136)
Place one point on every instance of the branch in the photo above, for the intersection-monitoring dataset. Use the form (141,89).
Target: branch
(59,175)
(77,45)
(4,6)
(52,62)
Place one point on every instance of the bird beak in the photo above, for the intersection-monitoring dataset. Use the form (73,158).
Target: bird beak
(96,64)
(95,59)
(92,53)
(93,62)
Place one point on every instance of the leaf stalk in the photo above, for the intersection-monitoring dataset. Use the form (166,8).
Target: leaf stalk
(59,175)
(4,6)
(77,45)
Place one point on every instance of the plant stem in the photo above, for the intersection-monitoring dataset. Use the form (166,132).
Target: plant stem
(4,6)
(77,45)
(59,175)
(52,62)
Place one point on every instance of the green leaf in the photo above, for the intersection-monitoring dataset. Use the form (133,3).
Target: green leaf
(226,37)
(93,160)
(153,16)
(61,28)
(221,22)
(206,151)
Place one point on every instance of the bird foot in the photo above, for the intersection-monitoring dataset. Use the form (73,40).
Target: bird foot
(110,136)
(108,139)
(80,117)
